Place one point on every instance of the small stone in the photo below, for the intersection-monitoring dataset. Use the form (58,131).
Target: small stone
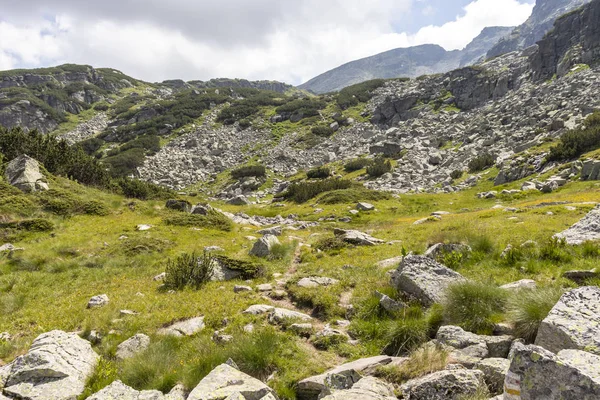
(98,301)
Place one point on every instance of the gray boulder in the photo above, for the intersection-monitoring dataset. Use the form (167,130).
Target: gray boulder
(440,249)
(24,173)
(240,200)
(56,367)
(132,346)
(187,327)
(316,281)
(585,230)
(454,336)
(98,301)
(225,381)
(368,388)
(424,279)
(119,391)
(536,373)
(274,230)
(282,315)
(573,323)
(494,370)
(356,237)
(262,247)
(444,385)
(365,207)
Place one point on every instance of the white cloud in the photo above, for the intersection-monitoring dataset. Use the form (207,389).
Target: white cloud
(288,41)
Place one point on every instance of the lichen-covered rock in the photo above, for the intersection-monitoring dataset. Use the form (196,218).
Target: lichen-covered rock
(316,281)
(494,370)
(24,173)
(454,336)
(187,327)
(440,249)
(573,323)
(282,315)
(98,301)
(444,385)
(356,238)
(224,381)
(132,346)
(367,388)
(535,373)
(586,229)
(424,279)
(258,309)
(56,367)
(262,248)
(119,391)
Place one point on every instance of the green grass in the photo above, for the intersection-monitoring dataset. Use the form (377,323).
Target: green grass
(528,308)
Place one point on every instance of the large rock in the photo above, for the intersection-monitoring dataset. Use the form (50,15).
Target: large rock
(56,367)
(424,279)
(132,346)
(24,173)
(494,370)
(444,385)
(585,230)
(316,281)
(312,387)
(187,327)
(368,388)
(573,323)
(282,315)
(262,248)
(536,373)
(440,249)
(356,237)
(497,346)
(225,381)
(119,391)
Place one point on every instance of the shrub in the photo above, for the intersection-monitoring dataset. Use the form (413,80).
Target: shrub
(92,145)
(576,142)
(30,225)
(125,163)
(330,244)
(356,165)
(359,93)
(101,107)
(481,162)
(322,130)
(189,270)
(245,123)
(136,189)
(257,171)
(319,173)
(379,167)
(528,308)
(249,269)
(353,196)
(302,108)
(144,245)
(406,335)
(421,362)
(304,191)
(457,174)
(474,306)
(213,219)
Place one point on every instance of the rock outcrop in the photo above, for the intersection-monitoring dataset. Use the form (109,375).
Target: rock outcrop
(24,173)
(585,230)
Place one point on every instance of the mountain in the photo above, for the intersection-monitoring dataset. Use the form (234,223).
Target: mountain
(537,25)
(406,62)
(274,86)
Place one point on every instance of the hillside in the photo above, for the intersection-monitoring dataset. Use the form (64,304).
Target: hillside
(408,62)
(434,238)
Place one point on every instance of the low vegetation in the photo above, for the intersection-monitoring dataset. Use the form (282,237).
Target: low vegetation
(379,167)
(304,191)
(191,270)
(257,171)
(574,143)
(319,173)
(481,163)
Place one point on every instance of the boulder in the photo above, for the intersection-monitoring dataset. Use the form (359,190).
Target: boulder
(454,336)
(258,309)
(585,230)
(132,346)
(56,367)
(282,315)
(24,173)
(494,371)
(240,200)
(179,205)
(365,207)
(440,249)
(389,304)
(312,387)
(518,285)
(119,391)
(262,247)
(187,327)
(316,281)
(356,237)
(274,230)
(424,279)
(536,373)
(98,301)
(225,381)
(444,385)
(573,323)
(368,388)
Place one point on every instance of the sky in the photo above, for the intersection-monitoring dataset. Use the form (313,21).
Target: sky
(285,40)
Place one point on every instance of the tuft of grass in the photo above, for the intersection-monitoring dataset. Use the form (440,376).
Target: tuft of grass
(213,220)
(527,309)
(106,372)
(474,306)
(357,164)
(189,270)
(408,333)
(423,361)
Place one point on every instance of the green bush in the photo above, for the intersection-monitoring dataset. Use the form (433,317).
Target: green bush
(101,107)
(136,189)
(555,250)
(319,173)
(406,335)
(345,196)
(143,245)
(126,163)
(30,225)
(457,174)
(322,130)
(380,166)
(481,163)
(528,308)
(359,93)
(302,108)
(248,269)
(475,307)
(304,191)
(213,220)
(189,270)
(356,165)
(94,207)
(333,243)
(257,171)
(92,145)
(576,142)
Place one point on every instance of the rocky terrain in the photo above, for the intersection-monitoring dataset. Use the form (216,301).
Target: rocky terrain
(417,239)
